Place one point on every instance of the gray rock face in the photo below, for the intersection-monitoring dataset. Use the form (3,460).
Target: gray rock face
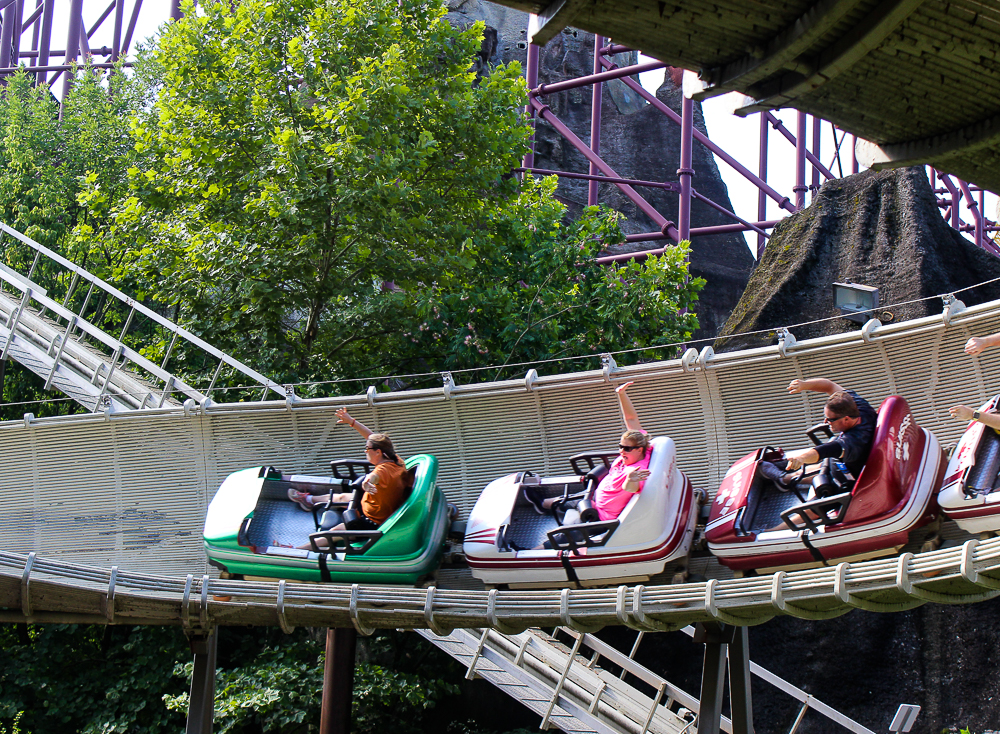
(877,229)
(637,141)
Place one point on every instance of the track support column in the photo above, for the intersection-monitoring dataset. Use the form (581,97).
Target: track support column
(338,681)
(716,637)
(201,705)
(739,681)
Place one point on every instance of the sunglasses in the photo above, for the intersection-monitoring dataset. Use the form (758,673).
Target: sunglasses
(831,421)
(629,448)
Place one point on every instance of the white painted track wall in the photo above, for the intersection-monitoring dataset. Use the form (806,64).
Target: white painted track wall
(131,489)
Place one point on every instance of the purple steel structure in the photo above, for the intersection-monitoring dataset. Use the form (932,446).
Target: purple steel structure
(950,192)
(26,36)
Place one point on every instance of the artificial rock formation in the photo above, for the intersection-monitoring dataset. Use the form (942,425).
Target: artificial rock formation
(878,229)
(637,141)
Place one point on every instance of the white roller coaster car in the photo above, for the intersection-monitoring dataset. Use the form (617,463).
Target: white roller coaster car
(654,529)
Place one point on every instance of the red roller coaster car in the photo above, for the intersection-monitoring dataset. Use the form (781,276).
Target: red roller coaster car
(836,519)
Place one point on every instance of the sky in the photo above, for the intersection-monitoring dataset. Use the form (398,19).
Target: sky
(738,136)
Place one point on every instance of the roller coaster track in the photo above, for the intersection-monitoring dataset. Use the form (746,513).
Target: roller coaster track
(102,525)
(34,588)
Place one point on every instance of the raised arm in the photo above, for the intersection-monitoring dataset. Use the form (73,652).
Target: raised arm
(965,413)
(344,417)
(978,344)
(815,384)
(629,415)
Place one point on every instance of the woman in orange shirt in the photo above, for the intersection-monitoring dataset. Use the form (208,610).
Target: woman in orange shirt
(385,485)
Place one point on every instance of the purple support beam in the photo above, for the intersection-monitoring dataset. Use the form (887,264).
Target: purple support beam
(531,76)
(782,201)
(175,10)
(36,31)
(976,214)
(18,30)
(727,228)
(131,27)
(57,67)
(596,101)
(102,51)
(72,43)
(6,35)
(761,196)
(685,172)
(800,163)
(45,41)
(956,200)
(103,17)
(584,81)
(817,131)
(745,225)
(695,232)
(645,207)
(616,48)
(666,185)
(84,42)
(854,154)
(116,43)
(26,23)
(780,127)
(652,236)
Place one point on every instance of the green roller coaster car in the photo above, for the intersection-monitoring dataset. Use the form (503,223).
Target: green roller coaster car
(252,528)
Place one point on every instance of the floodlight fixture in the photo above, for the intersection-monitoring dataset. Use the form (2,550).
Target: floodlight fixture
(856,302)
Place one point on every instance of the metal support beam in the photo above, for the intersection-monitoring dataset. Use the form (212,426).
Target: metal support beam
(740,703)
(762,173)
(716,638)
(116,43)
(72,44)
(596,103)
(531,77)
(644,206)
(201,706)
(685,172)
(800,187)
(338,680)
(6,35)
(45,39)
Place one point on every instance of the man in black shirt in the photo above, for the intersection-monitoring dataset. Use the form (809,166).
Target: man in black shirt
(852,419)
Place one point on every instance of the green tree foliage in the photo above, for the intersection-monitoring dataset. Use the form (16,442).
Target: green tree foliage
(279,691)
(323,188)
(91,680)
(119,680)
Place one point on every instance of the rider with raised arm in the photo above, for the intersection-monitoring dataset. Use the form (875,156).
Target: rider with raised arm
(974,347)
(626,477)
(384,486)
(848,414)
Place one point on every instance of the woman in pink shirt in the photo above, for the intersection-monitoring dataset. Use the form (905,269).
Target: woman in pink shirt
(630,470)
(627,475)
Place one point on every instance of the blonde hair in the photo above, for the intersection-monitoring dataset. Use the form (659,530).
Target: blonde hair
(638,438)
